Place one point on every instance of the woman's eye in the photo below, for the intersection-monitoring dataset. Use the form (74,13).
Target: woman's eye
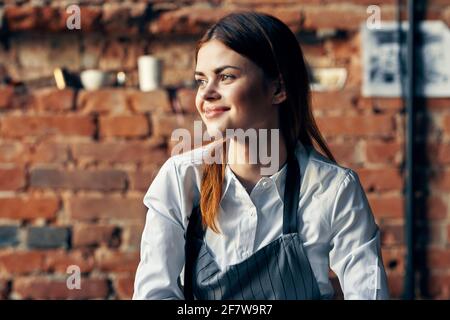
(227,76)
(200,82)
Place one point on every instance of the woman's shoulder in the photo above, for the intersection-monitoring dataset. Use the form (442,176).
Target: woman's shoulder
(325,171)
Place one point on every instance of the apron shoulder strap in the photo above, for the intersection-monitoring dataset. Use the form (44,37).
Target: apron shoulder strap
(192,248)
(291,195)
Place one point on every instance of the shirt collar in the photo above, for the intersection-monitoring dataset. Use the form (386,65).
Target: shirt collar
(278,177)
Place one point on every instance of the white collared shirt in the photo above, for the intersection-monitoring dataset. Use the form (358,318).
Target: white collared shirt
(336,225)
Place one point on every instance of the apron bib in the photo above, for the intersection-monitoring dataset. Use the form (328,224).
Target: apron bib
(278,271)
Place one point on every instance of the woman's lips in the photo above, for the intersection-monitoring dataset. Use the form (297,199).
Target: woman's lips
(215,112)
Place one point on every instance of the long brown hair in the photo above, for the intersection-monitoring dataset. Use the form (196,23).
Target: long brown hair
(271,45)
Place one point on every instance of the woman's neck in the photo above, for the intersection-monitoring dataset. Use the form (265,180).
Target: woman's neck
(250,163)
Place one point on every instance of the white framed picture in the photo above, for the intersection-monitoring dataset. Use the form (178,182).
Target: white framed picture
(382,66)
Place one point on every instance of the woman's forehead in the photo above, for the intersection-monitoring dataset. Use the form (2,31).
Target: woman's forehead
(214,54)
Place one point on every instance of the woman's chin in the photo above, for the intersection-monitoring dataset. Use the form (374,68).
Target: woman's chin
(216,132)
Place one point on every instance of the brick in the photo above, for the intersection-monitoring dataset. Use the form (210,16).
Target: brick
(88,235)
(392,235)
(103,101)
(393,259)
(187,20)
(52,18)
(9,236)
(156,100)
(49,152)
(387,206)
(48,237)
(36,17)
(368,126)
(87,208)
(439,153)
(91,18)
(344,152)
(13,152)
(439,286)
(438,258)
(334,100)
(381,104)
(58,178)
(21,262)
(132,234)
(339,16)
(116,261)
(6,96)
(440,180)
(116,18)
(59,260)
(21,17)
(50,99)
(21,126)
(141,179)
(124,126)
(5,288)
(272,2)
(186,100)
(11,177)
(383,152)
(124,286)
(45,288)
(380,179)
(29,207)
(437,104)
(150,151)
(448,234)
(434,234)
(165,124)
(446,124)
(446,16)
(395,285)
(436,208)
(194,20)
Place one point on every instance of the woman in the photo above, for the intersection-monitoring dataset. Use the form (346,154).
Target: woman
(231,232)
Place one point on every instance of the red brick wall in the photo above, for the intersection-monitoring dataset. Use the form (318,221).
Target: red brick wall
(74,165)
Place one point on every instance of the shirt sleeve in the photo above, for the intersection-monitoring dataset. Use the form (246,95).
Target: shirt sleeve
(355,254)
(162,243)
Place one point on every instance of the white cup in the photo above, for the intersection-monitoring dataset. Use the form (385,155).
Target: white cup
(92,79)
(149,73)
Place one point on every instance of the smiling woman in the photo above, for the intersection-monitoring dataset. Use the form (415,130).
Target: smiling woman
(225,230)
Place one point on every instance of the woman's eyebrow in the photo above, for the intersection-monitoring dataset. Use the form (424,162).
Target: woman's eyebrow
(217,70)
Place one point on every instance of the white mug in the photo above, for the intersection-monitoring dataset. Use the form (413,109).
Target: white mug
(149,72)
(92,79)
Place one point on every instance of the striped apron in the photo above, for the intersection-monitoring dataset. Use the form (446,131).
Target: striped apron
(277,271)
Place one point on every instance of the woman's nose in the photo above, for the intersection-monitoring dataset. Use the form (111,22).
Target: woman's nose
(210,92)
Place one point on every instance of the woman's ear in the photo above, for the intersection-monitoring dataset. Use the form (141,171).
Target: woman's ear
(279,94)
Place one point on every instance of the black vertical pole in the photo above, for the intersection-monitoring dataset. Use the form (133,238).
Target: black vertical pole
(409,284)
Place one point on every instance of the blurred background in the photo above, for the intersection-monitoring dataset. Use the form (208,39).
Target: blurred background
(90,92)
